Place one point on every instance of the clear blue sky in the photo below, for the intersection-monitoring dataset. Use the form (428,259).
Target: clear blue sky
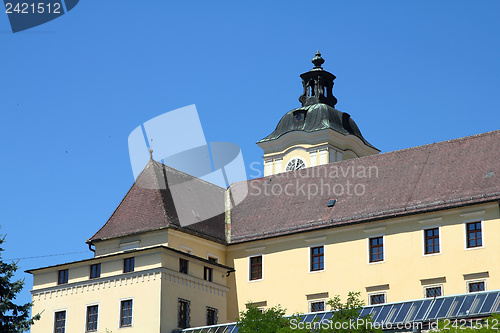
(409,73)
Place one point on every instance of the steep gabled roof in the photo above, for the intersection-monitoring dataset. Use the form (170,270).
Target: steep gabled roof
(415,180)
(149,205)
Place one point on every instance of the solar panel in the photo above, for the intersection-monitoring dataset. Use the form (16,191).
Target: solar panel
(443,311)
(436,306)
(465,308)
(455,306)
(496,305)
(423,310)
(413,310)
(488,303)
(324,316)
(375,311)
(309,318)
(328,315)
(478,303)
(365,311)
(382,316)
(394,312)
(403,313)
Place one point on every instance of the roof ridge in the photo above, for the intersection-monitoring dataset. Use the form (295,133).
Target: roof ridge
(187,174)
(159,194)
(439,142)
(424,146)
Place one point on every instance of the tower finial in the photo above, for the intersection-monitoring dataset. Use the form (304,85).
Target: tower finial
(318,84)
(151,150)
(317,60)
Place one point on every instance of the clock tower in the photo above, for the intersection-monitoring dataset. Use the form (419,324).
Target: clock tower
(315,133)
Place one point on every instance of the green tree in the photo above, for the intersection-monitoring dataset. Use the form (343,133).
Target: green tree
(13,318)
(345,316)
(270,320)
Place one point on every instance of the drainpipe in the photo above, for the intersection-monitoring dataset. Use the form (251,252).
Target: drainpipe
(90,245)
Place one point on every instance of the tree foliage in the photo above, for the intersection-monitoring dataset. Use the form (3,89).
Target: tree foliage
(345,316)
(13,318)
(270,320)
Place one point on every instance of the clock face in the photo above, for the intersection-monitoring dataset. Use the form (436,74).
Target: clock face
(295,164)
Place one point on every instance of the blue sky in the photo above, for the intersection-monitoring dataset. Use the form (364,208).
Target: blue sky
(409,72)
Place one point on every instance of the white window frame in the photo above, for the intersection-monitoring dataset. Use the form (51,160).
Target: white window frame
(434,286)
(476,281)
(210,255)
(369,247)
(466,241)
(87,318)
(377,293)
(54,318)
(310,257)
(317,301)
(186,249)
(250,268)
(425,245)
(120,311)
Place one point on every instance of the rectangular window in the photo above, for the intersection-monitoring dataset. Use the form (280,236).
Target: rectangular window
(213,259)
(476,286)
(256,268)
(183,266)
(376,249)
(62,276)
(183,315)
(60,322)
(95,271)
(126,313)
(211,316)
(208,274)
(128,265)
(431,240)
(317,306)
(377,299)
(435,291)
(474,235)
(317,258)
(92,318)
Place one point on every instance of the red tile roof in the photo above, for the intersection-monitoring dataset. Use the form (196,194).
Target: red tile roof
(149,205)
(436,176)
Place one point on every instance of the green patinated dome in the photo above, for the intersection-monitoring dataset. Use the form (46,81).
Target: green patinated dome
(316,117)
(318,107)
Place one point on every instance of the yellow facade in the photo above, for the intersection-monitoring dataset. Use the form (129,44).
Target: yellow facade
(155,286)
(323,147)
(402,275)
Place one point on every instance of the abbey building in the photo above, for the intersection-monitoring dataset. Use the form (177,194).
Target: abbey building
(416,231)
